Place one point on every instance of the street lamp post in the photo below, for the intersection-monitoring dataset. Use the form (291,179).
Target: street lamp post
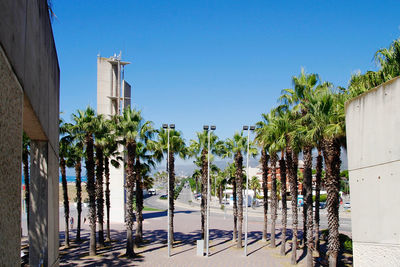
(206,128)
(246,128)
(171,126)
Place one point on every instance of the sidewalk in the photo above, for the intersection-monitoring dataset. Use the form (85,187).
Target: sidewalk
(223,251)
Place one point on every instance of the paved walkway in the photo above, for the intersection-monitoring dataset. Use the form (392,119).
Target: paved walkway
(223,251)
(153,252)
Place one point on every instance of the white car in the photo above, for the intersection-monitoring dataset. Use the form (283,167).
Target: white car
(347,206)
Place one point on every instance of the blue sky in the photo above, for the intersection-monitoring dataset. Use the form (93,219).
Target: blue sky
(215,62)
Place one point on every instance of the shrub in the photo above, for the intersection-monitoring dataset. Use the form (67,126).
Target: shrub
(322,198)
(346,243)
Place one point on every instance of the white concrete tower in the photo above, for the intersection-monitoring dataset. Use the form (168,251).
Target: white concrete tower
(113,95)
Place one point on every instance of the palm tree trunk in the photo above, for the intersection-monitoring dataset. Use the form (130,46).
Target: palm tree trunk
(78,184)
(204,171)
(235,208)
(99,194)
(264,164)
(130,184)
(66,202)
(171,169)
(26,182)
(308,200)
(107,193)
(331,150)
(239,184)
(318,177)
(90,187)
(292,173)
(303,192)
(282,168)
(139,203)
(197,184)
(274,199)
(220,193)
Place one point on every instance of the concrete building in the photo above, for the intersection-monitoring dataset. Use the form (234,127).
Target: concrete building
(373,147)
(113,95)
(29,101)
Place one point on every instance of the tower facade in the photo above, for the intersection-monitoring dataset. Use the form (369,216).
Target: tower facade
(113,95)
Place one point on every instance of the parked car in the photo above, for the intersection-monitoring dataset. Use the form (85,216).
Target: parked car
(152,191)
(225,202)
(322,205)
(347,206)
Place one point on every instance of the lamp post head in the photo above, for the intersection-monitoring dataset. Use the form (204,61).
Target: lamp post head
(165,126)
(245,128)
(213,127)
(205,127)
(172,126)
(252,128)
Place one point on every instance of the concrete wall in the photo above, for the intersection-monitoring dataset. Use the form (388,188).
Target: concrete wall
(28,51)
(373,127)
(11,103)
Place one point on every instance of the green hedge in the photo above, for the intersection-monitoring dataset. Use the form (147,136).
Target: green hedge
(178,189)
(322,198)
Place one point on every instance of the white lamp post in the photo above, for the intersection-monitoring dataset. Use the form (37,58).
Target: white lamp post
(206,128)
(171,126)
(246,128)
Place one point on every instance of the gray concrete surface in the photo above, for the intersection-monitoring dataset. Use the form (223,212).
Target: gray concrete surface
(373,126)
(11,102)
(31,94)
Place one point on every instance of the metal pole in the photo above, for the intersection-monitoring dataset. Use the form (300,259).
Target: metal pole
(208,196)
(247,194)
(168,233)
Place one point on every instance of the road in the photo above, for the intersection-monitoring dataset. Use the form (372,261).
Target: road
(255,215)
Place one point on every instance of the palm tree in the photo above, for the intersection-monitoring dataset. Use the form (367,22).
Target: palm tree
(100,138)
(230,172)
(389,61)
(177,146)
(75,155)
(285,127)
(282,169)
(200,147)
(263,140)
(143,164)
(334,138)
(131,128)
(111,156)
(304,87)
(255,185)
(328,113)
(274,198)
(237,146)
(84,129)
(25,162)
(196,175)
(65,142)
(311,133)
(221,184)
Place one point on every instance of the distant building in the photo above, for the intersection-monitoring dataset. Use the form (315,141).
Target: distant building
(258,173)
(113,95)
